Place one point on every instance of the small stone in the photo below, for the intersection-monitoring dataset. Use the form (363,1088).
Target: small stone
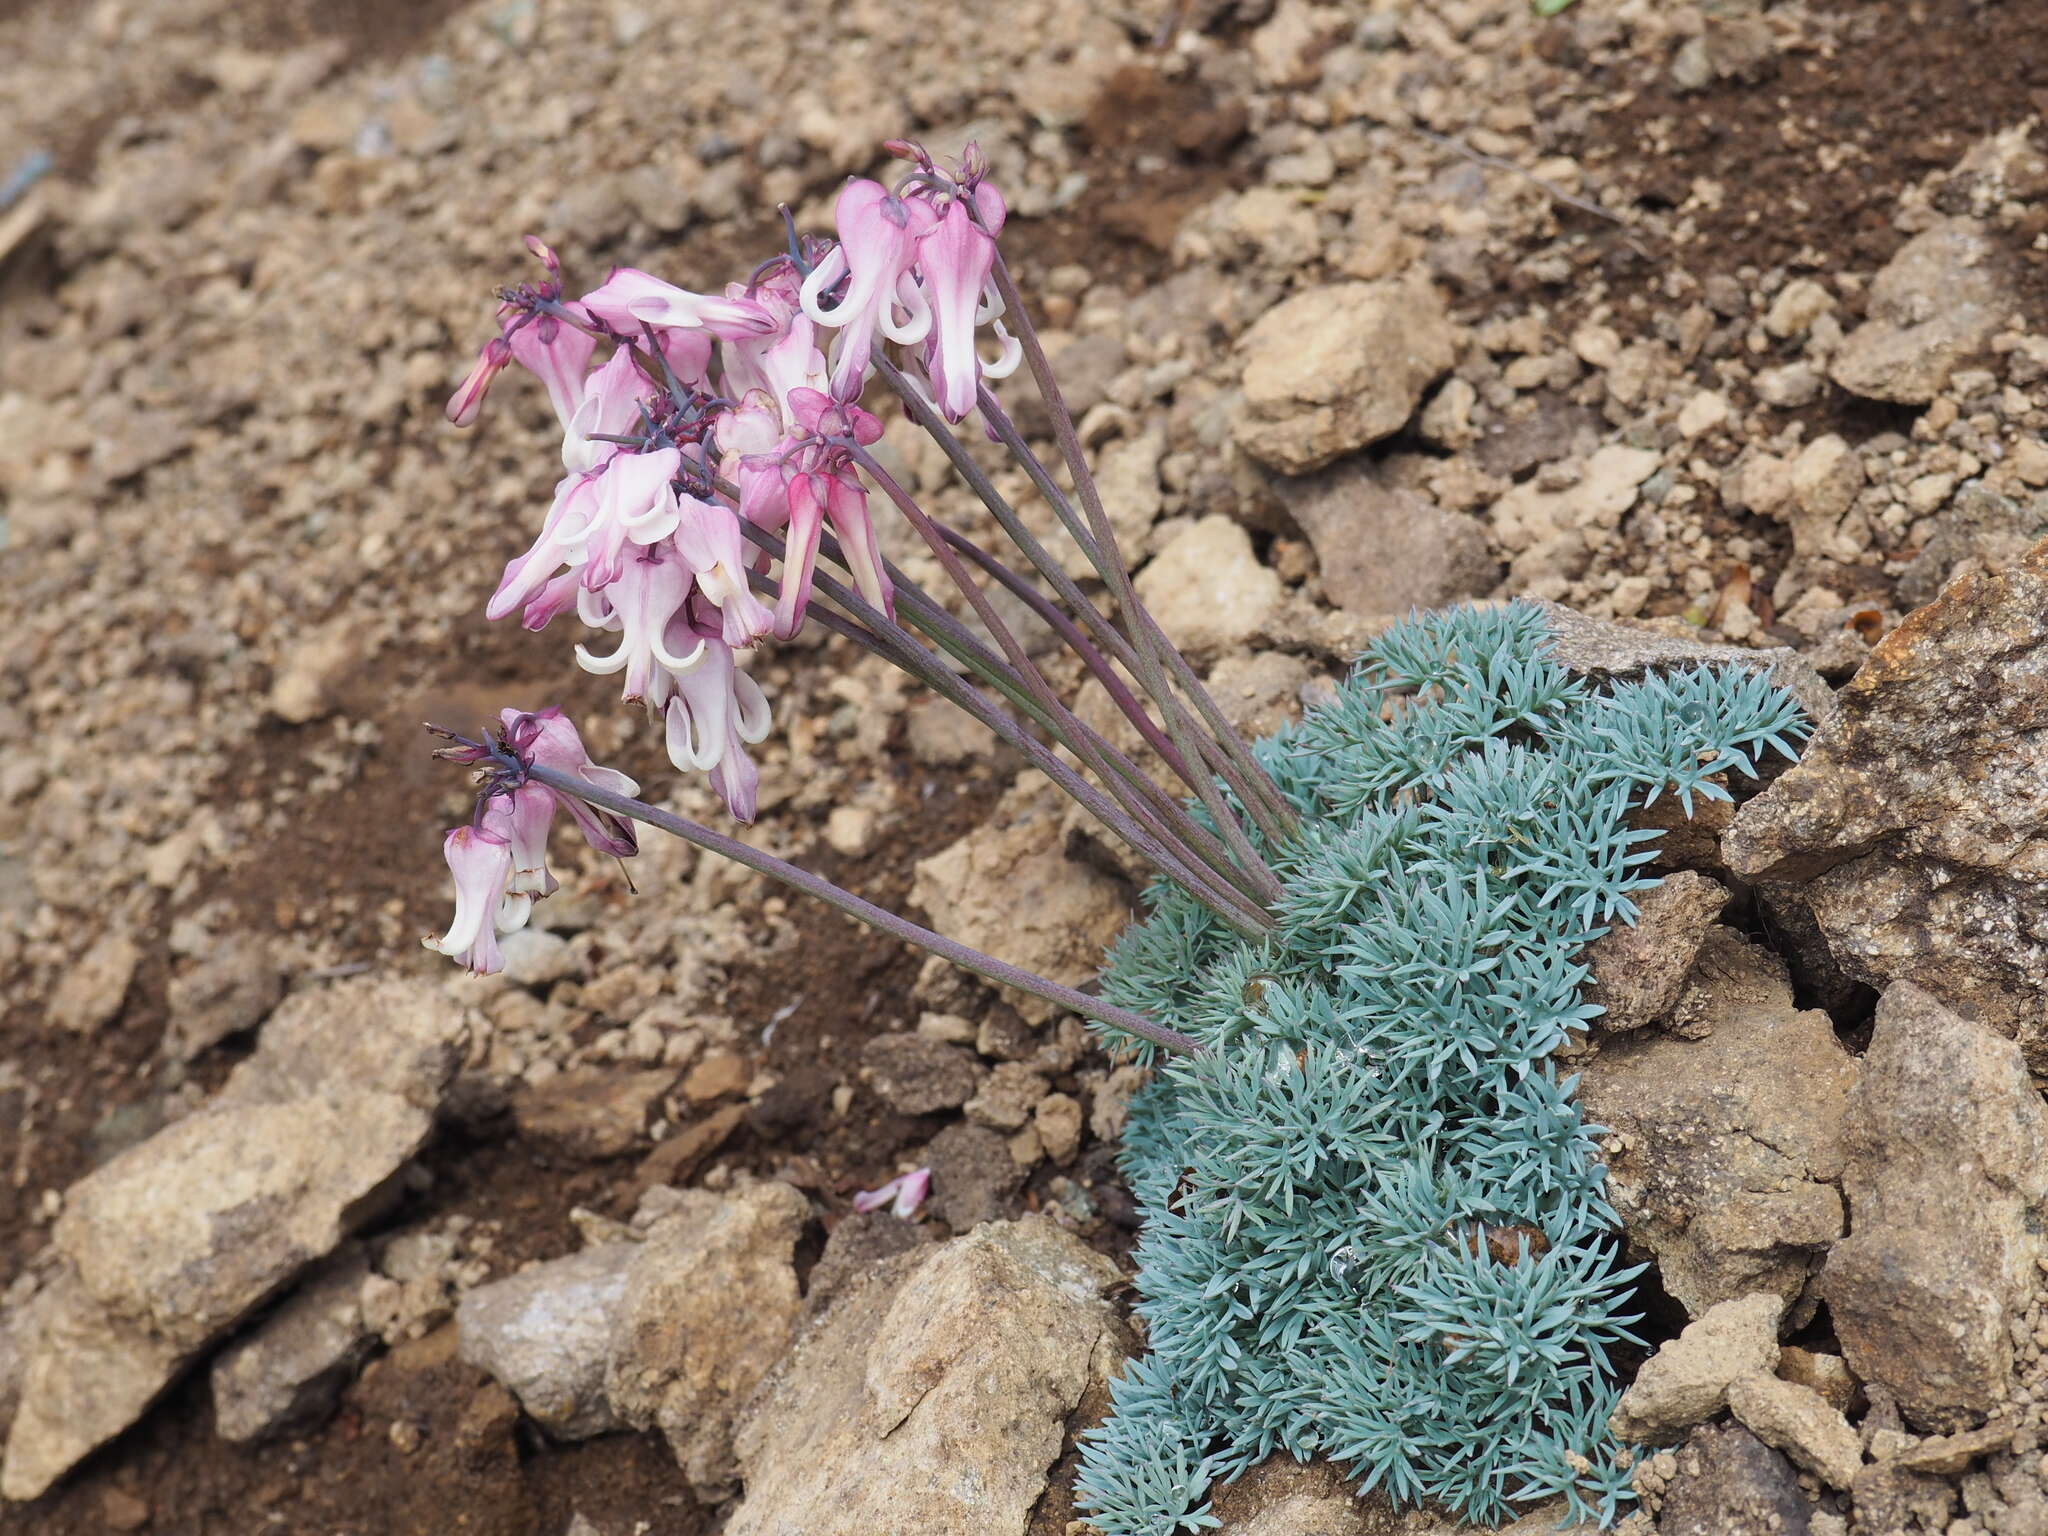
(306,688)
(1206,587)
(1007,1097)
(1799,1422)
(1798,304)
(284,1377)
(534,957)
(591,1113)
(1686,1382)
(850,829)
(123,1511)
(1383,549)
(545,1334)
(942,736)
(233,987)
(1788,387)
(916,1075)
(1058,1118)
(1702,414)
(1639,971)
(1335,368)
(719,1074)
(90,993)
(1729,1481)
(1829,1375)
(1935,306)
(2029,460)
(974,1178)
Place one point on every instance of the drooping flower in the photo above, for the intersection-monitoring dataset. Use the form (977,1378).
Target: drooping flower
(485,906)
(650,591)
(955,257)
(707,536)
(903,1194)
(878,245)
(547,738)
(630,298)
(716,711)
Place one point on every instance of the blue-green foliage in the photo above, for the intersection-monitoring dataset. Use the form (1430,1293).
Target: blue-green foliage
(1342,1198)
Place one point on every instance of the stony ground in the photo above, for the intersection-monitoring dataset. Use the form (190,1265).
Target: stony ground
(1722,317)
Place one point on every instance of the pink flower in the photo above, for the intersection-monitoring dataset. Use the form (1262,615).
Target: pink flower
(707,536)
(650,590)
(630,298)
(636,506)
(955,258)
(556,353)
(611,405)
(468,400)
(481,861)
(547,738)
(750,436)
(878,244)
(523,817)
(902,1195)
(716,711)
(562,541)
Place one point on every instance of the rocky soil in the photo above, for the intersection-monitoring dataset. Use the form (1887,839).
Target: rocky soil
(1723,320)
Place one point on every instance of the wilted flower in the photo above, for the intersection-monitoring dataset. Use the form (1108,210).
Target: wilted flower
(902,1195)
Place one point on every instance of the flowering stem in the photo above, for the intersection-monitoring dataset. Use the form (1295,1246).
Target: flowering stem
(866,911)
(1206,742)
(1141,829)
(1146,636)
(1248,872)
(1070,593)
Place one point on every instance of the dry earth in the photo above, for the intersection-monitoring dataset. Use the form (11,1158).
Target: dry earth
(1725,317)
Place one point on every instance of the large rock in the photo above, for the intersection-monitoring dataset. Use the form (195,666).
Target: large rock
(1935,305)
(286,1374)
(931,1398)
(545,1334)
(1333,369)
(1800,1422)
(1724,1150)
(166,1247)
(1206,586)
(1946,1168)
(1385,549)
(1009,889)
(709,1306)
(1916,823)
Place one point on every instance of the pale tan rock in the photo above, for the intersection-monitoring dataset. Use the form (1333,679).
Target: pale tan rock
(1207,588)
(1798,304)
(1008,888)
(709,1305)
(1058,1119)
(1799,1422)
(89,994)
(1335,368)
(168,1245)
(932,1397)
(1936,304)
(546,1335)
(1639,969)
(1686,1381)
(1007,1097)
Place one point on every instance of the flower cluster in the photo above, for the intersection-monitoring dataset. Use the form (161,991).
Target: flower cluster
(500,858)
(713,421)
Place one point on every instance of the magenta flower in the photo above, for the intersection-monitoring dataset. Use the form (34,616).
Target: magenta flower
(636,506)
(878,245)
(902,1195)
(481,861)
(631,298)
